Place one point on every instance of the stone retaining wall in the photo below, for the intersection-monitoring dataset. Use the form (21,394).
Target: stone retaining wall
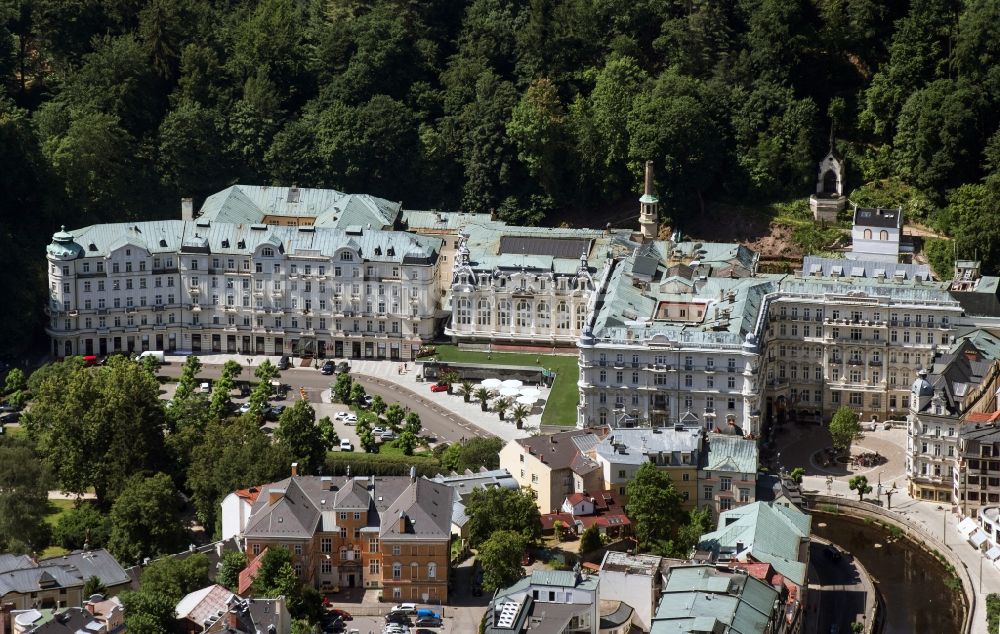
(916,534)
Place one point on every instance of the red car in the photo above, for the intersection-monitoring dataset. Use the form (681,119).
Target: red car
(340,613)
(440,387)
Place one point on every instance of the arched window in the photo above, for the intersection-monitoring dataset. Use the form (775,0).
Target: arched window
(267,252)
(523,314)
(503,313)
(883,235)
(581,316)
(485,315)
(464,312)
(562,314)
(868,234)
(432,569)
(543,317)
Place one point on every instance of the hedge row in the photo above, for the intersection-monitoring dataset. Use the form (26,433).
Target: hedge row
(366,464)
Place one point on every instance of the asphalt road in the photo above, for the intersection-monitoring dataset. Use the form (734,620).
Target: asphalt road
(836,595)
(437,421)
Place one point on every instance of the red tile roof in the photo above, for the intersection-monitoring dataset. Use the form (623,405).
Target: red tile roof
(250,495)
(250,572)
(982,417)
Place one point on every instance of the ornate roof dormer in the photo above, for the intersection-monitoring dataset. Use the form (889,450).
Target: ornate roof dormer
(63,246)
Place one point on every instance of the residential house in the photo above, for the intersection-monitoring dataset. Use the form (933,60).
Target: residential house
(552,466)
(676,450)
(769,533)
(97,616)
(560,602)
(709,598)
(941,400)
(728,478)
(217,610)
(634,580)
(391,533)
(780,490)
(236,509)
(57,582)
(464,484)
(580,511)
(976,482)
(876,234)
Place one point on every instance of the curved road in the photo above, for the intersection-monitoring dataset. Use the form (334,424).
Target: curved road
(438,421)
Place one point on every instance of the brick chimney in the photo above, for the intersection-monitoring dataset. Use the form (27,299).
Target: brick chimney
(274,495)
(402,522)
(295,469)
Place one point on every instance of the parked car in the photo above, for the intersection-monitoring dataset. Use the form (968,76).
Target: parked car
(283,363)
(440,387)
(406,608)
(387,435)
(378,431)
(401,618)
(343,367)
(428,621)
(351,419)
(327,368)
(9,417)
(345,445)
(7,407)
(342,614)
(244,408)
(275,412)
(340,416)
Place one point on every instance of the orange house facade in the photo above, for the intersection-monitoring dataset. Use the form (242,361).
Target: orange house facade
(392,533)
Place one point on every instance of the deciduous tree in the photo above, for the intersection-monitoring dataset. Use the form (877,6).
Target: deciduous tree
(499,509)
(844,428)
(298,432)
(654,506)
(501,556)
(145,519)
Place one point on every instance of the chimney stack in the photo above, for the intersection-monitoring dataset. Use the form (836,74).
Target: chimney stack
(649,179)
(402,522)
(187,209)
(413,474)
(295,469)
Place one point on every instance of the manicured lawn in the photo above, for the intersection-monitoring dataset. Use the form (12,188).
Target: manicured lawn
(57,508)
(564,397)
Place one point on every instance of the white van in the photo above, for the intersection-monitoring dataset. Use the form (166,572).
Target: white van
(156,354)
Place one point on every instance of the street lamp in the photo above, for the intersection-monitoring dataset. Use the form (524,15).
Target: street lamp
(888,496)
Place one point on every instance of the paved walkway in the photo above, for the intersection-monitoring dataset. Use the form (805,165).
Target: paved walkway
(798,445)
(393,372)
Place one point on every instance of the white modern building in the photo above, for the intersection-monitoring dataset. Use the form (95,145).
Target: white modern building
(256,289)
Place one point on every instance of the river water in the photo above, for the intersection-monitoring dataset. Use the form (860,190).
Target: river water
(910,580)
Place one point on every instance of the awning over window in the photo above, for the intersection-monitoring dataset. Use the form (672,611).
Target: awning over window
(967,526)
(977,539)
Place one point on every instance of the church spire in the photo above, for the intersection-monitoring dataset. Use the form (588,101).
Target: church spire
(649,207)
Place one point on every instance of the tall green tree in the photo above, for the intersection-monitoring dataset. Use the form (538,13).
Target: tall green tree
(302,438)
(844,428)
(145,519)
(24,500)
(499,509)
(500,556)
(654,506)
(83,524)
(538,127)
(97,427)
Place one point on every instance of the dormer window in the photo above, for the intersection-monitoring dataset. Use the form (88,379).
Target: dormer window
(346,256)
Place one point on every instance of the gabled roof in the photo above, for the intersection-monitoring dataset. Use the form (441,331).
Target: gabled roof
(426,507)
(248,574)
(202,605)
(771,533)
(292,515)
(557,451)
(731,453)
(23,575)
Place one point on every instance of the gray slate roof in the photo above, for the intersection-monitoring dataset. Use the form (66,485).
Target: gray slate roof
(330,208)
(731,453)
(23,575)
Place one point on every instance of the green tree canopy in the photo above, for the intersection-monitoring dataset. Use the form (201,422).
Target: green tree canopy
(83,524)
(23,500)
(501,556)
(844,428)
(145,519)
(499,509)
(654,506)
(302,438)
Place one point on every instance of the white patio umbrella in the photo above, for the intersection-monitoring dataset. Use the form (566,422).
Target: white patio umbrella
(492,384)
(532,392)
(514,383)
(508,391)
(526,400)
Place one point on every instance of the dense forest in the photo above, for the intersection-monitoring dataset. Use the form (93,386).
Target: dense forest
(535,109)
